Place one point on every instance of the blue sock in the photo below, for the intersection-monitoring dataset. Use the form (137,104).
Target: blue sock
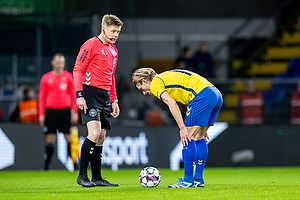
(189,158)
(202,152)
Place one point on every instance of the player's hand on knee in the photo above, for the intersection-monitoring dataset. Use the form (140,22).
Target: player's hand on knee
(184,136)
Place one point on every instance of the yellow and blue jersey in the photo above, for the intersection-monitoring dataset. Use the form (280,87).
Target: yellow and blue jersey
(182,85)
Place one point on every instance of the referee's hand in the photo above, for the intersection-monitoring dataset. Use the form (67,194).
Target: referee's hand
(81,104)
(116,109)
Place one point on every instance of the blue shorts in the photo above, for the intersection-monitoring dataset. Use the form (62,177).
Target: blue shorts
(204,108)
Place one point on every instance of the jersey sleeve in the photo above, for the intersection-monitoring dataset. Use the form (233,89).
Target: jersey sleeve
(83,58)
(42,97)
(113,91)
(157,87)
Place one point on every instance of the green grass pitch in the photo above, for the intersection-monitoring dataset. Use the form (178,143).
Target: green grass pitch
(220,183)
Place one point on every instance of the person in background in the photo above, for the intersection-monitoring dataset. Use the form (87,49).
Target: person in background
(94,78)
(251,105)
(57,106)
(295,106)
(203,101)
(27,109)
(202,62)
(184,61)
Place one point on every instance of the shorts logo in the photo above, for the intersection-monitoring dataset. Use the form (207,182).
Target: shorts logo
(188,111)
(93,113)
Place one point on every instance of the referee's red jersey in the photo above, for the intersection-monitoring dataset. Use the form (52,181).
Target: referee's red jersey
(57,92)
(96,65)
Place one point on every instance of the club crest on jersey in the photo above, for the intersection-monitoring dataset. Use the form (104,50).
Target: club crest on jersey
(93,113)
(63,86)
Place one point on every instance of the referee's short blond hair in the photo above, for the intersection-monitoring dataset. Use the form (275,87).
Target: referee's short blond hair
(111,20)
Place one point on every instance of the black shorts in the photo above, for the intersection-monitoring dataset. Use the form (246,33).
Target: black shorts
(57,119)
(99,106)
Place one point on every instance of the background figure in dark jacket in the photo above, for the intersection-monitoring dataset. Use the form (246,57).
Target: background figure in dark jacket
(202,62)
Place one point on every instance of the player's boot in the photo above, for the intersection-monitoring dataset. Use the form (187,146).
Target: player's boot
(198,183)
(84,181)
(103,182)
(181,184)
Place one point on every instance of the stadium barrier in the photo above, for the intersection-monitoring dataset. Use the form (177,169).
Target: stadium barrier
(22,147)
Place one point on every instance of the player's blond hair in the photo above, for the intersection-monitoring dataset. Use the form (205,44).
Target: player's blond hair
(143,73)
(111,20)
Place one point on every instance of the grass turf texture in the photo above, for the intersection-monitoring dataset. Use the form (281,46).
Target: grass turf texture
(220,183)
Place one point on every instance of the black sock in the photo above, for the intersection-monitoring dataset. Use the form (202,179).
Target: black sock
(87,150)
(96,163)
(69,150)
(49,149)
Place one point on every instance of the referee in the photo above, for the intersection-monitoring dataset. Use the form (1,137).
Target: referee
(57,105)
(94,78)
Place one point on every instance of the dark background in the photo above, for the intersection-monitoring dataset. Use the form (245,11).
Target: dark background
(65,23)
(177,8)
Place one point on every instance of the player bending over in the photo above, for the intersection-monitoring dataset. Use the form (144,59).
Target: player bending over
(203,101)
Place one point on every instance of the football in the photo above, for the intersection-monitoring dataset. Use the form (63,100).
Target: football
(149,177)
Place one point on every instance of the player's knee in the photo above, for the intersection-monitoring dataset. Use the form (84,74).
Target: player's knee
(51,138)
(94,135)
